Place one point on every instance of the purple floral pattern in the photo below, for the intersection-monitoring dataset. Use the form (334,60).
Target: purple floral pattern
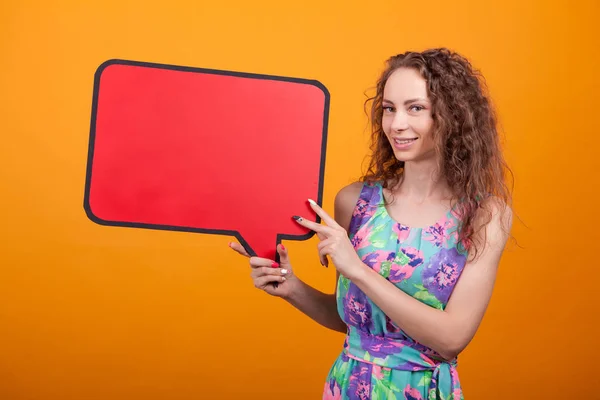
(364,209)
(360,383)
(379,346)
(441,273)
(357,309)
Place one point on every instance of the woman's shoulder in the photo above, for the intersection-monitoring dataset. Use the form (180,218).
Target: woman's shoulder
(494,210)
(350,192)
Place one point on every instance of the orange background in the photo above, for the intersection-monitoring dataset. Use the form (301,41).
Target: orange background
(92,312)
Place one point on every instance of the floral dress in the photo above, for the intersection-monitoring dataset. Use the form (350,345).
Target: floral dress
(379,361)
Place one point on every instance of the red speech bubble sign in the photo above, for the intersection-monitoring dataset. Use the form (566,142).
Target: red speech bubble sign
(208,151)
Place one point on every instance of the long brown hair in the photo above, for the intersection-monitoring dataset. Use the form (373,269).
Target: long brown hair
(464,130)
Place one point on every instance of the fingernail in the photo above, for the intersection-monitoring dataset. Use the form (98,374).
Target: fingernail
(282,247)
(297,218)
(311,201)
(284,271)
(283,278)
(275,265)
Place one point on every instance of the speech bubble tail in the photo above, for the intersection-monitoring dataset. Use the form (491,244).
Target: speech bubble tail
(260,244)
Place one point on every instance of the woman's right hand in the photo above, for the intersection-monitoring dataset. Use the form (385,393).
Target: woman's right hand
(265,272)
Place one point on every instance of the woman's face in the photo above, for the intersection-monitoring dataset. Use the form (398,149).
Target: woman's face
(407,118)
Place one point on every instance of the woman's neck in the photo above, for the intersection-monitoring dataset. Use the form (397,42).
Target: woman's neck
(422,181)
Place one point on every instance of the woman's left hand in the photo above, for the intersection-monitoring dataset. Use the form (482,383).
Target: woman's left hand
(334,242)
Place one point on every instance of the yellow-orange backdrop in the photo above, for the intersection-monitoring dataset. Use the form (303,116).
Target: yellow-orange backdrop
(92,312)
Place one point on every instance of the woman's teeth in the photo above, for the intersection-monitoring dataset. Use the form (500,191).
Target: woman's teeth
(404,141)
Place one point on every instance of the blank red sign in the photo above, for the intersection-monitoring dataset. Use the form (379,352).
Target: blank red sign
(206,151)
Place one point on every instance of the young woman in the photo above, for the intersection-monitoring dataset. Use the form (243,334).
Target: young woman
(416,242)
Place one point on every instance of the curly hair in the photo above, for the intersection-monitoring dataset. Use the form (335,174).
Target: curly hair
(464,131)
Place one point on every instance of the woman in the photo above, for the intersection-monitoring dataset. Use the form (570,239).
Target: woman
(416,243)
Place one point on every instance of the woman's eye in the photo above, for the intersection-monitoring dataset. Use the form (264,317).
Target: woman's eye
(416,108)
(388,109)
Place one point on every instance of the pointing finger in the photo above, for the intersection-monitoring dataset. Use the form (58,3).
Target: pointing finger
(324,216)
(313,226)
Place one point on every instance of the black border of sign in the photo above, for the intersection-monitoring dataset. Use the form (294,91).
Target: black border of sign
(236,234)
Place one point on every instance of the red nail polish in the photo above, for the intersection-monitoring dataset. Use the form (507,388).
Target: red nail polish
(275,265)
(282,248)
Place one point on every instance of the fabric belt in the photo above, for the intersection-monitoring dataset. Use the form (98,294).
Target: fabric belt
(402,355)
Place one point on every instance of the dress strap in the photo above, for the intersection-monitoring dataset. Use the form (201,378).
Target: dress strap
(368,201)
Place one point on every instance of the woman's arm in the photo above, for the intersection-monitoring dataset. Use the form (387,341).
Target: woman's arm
(448,332)
(320,307)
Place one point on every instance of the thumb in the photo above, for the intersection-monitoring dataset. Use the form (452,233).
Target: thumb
(283,255)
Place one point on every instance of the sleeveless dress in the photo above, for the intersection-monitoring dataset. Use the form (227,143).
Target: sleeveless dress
(379,361)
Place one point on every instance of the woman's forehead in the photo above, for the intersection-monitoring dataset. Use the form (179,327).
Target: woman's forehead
(405,83)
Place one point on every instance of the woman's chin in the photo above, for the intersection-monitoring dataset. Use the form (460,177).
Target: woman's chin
(414,156)
(404,156)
